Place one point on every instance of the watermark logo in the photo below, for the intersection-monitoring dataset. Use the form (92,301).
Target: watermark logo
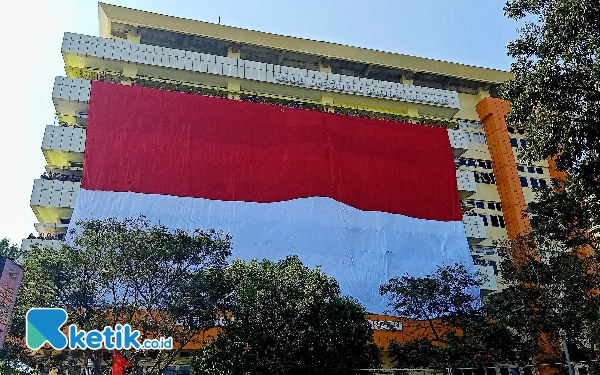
(45,326)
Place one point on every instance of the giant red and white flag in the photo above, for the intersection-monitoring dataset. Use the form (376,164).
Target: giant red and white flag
(364,199)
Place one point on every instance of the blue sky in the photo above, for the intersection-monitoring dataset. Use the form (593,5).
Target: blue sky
(473,32)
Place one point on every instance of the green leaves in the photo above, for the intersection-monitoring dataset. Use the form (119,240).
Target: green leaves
(288,319)
(551,295)
(457,331)
(163,283)
(556,91)
(556,98)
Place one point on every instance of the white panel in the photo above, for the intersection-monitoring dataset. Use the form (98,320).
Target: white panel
(474,227)
(270,76)
(204,66)
(187,64)
(486,275)
(211,67)
(262,75)
(368,247)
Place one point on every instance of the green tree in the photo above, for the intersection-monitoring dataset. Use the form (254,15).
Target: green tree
(288,319)
(555,94)
(460,332)
(161,282)
(9,250)
(552,294)
(556,98)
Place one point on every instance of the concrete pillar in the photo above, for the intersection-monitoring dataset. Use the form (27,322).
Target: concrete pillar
(406,80)
(324,68)
(234,89)
(492,112)
(134,36)
(234,53)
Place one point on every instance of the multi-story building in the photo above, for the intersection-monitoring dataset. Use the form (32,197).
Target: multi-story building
(147,49)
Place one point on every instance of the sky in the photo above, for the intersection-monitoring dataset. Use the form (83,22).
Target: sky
(472,32)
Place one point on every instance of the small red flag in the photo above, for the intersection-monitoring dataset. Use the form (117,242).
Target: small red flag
(119,363)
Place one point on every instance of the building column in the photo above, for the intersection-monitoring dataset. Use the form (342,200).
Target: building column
(234,53)
(492,112)
(134,36)
(234,89)
(324,67)
(406,79)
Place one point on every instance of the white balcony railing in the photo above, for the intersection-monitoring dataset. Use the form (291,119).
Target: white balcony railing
(54,193)
(487,277)
(137,53)
(459,141)
(474,229)
(64,138)
(71,97)
(27,243)
(466,183)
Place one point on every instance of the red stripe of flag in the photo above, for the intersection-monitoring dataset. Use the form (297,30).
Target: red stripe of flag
(160,142)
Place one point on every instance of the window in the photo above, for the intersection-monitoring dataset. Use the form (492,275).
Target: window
(523,143)
(485,219)
(530,169)
(497,221)
(494,220)
(534,183)
(494,206)
(523,181)
(478,138)
(486,164)
(484,178)
(539,170)
(513,142)
(520,168)
(543,183)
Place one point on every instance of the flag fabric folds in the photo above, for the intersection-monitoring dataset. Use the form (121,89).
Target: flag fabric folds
(118,364)
(364,199)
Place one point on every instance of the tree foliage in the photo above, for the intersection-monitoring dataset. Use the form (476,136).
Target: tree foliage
(161,282)
(461,332)
(556,98)
(288,319)
(556,94)
(551,295)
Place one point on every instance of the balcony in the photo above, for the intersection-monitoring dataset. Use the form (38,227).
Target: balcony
(474,229)
(51,229)
(148,60)
(459,141)
(487,276)
(466,183)
(62,146)
(53,200)
(27,243)
(71,97)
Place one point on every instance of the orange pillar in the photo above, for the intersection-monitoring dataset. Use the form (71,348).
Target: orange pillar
(492,112)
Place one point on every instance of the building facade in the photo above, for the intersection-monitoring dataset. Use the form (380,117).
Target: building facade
(145,49)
